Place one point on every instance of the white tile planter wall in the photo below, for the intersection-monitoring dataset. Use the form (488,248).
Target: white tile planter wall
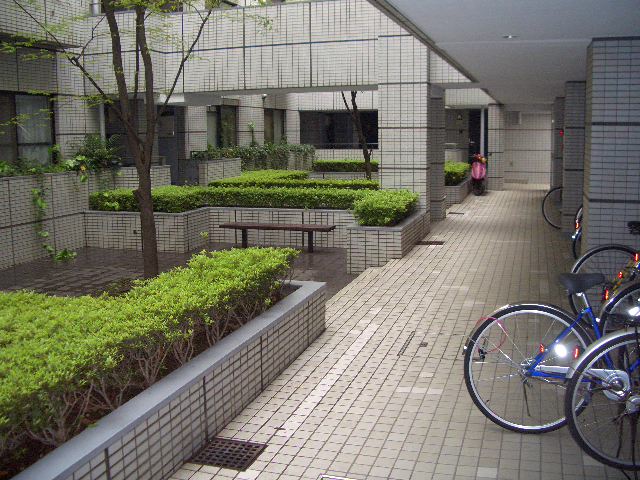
(127,177)
(67,199)
(457,193)
(153,434)
(375,246)
(218,169)
(183,232)
(342,175)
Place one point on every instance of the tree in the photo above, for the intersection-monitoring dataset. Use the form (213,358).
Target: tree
(125,105)
(357,121)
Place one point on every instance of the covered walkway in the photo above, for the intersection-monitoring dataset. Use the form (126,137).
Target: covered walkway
(381,394)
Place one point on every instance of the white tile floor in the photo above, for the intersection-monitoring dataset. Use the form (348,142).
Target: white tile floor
(381,394)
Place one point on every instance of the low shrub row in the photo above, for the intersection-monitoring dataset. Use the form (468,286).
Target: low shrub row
(259,157)
(455,173)
(342,166)
(275,175)
(173,199)
(268,181)
(65,362)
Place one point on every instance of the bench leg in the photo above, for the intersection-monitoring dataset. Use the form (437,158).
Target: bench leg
(245,239)
(310,242)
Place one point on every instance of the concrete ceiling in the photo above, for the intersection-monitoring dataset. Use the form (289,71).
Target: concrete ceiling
(551,43)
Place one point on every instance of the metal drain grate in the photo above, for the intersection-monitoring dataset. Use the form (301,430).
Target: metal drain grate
(229,453)
(430,242)
(455,213)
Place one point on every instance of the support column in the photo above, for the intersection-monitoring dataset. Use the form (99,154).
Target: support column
(403,115)
(557,142)
(436,136)
(250,111)
(573,156)
(612,163)
(496,160)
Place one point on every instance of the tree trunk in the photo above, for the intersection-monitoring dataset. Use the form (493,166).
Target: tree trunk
(355,116)
(147,220)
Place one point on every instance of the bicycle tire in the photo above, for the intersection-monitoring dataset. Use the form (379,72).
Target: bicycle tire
(549,393)
(577,218)
(591,391)
(615,312)
(605,259)
(552,207)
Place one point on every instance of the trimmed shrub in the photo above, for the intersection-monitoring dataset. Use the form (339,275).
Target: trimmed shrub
(66,361)
(455,173)
(275,175)
(386,208)
(256,180)
(174,199)
(342,166)
(260,157)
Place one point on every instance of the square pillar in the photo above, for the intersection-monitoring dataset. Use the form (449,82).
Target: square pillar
(557,142)
(495,149)
(436,136)
(573,155)
(612,163)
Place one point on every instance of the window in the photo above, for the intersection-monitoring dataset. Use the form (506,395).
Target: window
(222,126)
(335,130)
(274,125)
(26,127)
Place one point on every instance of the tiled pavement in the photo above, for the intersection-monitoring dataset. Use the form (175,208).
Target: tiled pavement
(94,269)
(380,395)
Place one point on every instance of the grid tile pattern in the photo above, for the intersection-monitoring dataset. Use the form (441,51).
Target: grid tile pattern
(573,154)
(612,165)
(528,148)
(436,152)
(369,400)
(557,143)
(218,169)
(495,147)
(457,193)
(163,440)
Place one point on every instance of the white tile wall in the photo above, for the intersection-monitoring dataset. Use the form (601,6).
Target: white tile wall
(528,149)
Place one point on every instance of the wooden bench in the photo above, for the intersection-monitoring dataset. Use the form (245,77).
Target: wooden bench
(293,227)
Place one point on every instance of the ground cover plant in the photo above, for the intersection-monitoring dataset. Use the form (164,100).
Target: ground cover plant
(393,205)
(65,362)
(345,165)
(271,179)
(455,173)
(260,157)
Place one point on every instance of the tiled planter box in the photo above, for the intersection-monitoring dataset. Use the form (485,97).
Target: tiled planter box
(457,193)
(182,232)
(342,175)
(127,177)
(153,434)
(375,246)
(218,169)
(66,197)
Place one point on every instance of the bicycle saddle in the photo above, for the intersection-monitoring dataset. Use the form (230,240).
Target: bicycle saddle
(580,282)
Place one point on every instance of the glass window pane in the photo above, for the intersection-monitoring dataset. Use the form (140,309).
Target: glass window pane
(212,129)
(8,150)
(34,119)
(34,153)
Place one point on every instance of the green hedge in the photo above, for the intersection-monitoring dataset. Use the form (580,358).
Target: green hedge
(387,207)
(455,172)
(275,175)
(342,166)
(60,354)
(268,181)
(260,157)
(174,199)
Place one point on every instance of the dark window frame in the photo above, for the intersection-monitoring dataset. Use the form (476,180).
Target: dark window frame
(52,122)
(329,129)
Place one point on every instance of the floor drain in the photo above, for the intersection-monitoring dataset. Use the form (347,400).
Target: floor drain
(423,344)
(430,242)
(229,453)
(455,213)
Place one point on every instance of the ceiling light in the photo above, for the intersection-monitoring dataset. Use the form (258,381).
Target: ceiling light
(510,36)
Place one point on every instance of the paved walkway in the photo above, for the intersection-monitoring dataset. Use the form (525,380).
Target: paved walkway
(381,395)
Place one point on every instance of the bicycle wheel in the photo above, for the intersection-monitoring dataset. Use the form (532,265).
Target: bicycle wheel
(577,218)
(620,308)
(552,207)
(605,259)
(496,357)
(602,403)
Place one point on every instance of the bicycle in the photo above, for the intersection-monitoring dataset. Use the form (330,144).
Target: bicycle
(576,237)
(522,353)
(552,207)
(603,396)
